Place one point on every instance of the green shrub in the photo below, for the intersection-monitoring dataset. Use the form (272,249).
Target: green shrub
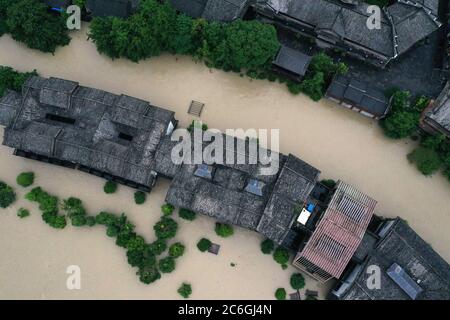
(148,275)
(204,245)
(90,221)
(23,213)
(314,87)
(294,87)
(297,281)
(197,125)
(10,78)
(25,179)
(110,187)
(167,265)
(176,250)
(166,228)
(7,195)
(185,290)
(280,294)
(187,214)
(158,246)
(224,230)
(167,209)
(400,124)
(426,160)
(136,243)
(48,205)
(267,246)
(281,256)
(140,197)
(330,183)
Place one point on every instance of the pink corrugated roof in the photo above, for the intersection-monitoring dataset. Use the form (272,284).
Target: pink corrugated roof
(340,231)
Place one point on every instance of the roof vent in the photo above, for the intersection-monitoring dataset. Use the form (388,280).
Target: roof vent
(255,187)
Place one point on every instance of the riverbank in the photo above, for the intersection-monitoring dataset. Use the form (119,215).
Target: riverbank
(343,144)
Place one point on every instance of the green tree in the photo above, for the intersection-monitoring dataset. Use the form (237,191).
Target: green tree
(158,246)
(204,245)
(11,79)
(224,230)
(28,21)
(140,197)
(187,214)
(281,256)
(148,275)
(267,246)
(166,228)
(185,290)
(110,187)
(167,209)
(25,179)
(297,281)
(400,124)
(167,265)
(314,87)
(23,213)
(7,195)
(280,294)
(426,160)
(176,250)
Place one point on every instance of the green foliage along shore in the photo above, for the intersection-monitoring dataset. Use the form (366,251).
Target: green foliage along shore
(49,206)
(7,195)
(29,22)
(12,79)
(25,179)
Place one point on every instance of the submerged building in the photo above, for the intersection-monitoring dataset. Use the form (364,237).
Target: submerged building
(60,122)
(436,118)
(333,230)
(407,267)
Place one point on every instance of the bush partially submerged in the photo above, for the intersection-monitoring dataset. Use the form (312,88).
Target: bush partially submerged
(140,197)
(25,179)
(167,209)
(280,294)
(297,281)
(110,187)
(204,245)
(29,21)
(281,256)
(48,205)
(224,230)
(12,79)
(185,290)
(176,250)
(267,246)
(167,265)
(166,228)
(23,213)
(187,214)
(7,195)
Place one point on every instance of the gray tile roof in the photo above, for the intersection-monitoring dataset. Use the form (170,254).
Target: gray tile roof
(193,8)
(116,135)
(116,8)
(292,60)
(403,24)
(224,10)
(225,197)
(439,113)
(404,247)
(359,94)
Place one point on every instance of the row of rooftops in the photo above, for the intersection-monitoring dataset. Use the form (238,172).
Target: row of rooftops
(341,24)
(130,139)
(408,267)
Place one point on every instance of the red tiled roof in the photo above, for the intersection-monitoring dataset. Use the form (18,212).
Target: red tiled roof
(340,231)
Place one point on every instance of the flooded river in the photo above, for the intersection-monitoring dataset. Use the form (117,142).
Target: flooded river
(342,144)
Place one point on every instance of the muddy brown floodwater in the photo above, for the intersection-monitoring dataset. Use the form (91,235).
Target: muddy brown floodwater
(344,145)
